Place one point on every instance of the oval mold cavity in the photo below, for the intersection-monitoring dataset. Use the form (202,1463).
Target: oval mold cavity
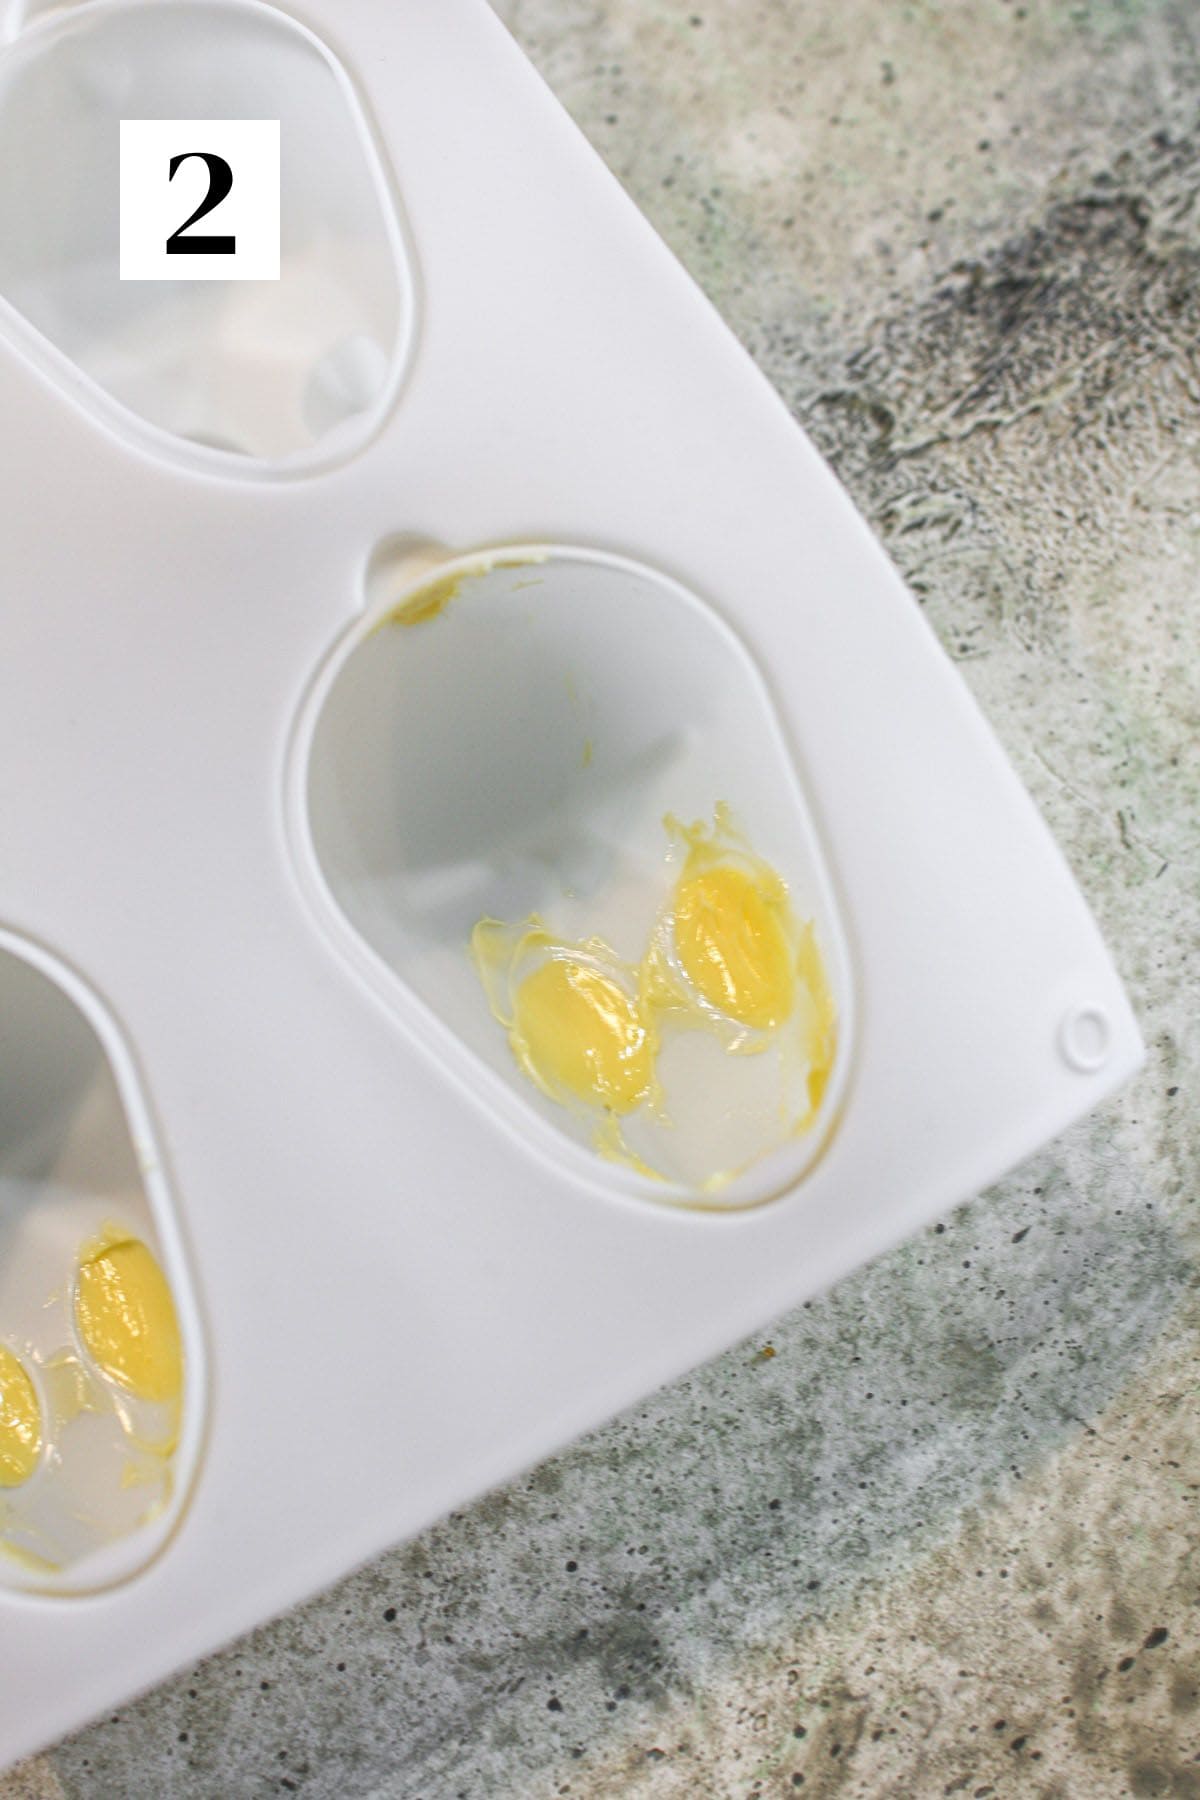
(256,375)
(540,734)
(94,1293)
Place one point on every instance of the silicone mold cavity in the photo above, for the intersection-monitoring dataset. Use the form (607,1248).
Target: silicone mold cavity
(257,375)
(506,741)
(78,1154)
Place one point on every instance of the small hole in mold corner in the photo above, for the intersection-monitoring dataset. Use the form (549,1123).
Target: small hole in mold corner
(398,563)
(1085,1038)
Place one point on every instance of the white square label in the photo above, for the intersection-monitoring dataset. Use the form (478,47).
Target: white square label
(199,199)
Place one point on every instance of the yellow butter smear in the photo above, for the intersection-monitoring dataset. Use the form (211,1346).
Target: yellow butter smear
(726,956)
(126,1318)
(432,596)
(732,944)
(102,1420)
(576,1031)
(20,1422)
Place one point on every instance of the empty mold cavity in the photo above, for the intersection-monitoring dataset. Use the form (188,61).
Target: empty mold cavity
(252,373)
(529,734)
(101,1372)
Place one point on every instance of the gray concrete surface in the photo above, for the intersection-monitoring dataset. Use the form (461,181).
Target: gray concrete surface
(937,1534)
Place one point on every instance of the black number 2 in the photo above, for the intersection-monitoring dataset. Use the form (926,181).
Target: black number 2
(220,180)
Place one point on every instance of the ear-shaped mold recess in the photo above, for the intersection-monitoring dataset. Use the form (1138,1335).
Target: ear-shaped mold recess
(102,1372)
(526,759)
(256,376)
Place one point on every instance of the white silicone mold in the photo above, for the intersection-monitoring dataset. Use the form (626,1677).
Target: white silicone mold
(256,816)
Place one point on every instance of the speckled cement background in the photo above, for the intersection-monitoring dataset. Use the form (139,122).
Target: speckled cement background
(938,1535)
